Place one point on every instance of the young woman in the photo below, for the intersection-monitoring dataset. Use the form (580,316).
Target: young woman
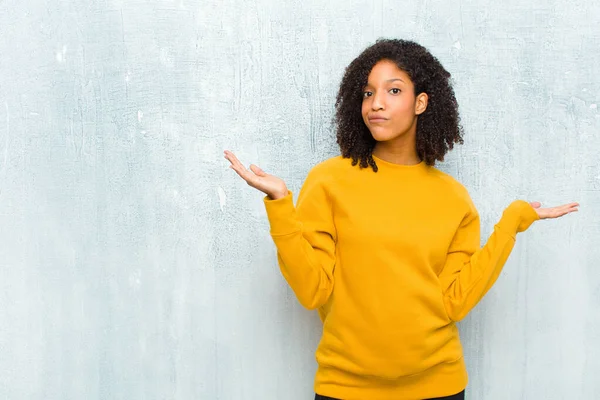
(382,243)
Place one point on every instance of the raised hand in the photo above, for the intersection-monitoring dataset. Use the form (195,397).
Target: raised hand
(554,212)
(270,185)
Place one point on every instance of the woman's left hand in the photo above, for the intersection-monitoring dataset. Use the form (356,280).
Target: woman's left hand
(554,212)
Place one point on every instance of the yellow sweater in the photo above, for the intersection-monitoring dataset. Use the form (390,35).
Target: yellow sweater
(391,260)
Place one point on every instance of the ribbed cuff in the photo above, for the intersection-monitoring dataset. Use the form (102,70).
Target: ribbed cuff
(517,217)
(282,215)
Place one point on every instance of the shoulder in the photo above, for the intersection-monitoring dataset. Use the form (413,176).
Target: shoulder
(452,188)
(333,163)
(330,168)
(320,179)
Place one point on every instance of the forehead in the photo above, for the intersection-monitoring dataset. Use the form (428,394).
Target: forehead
(385,70)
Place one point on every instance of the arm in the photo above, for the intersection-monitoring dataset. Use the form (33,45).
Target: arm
(470,271)
(305,239)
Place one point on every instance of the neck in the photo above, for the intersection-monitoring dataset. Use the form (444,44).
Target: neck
(404,154)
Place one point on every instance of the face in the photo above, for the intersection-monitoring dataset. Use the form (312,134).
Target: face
(390,107)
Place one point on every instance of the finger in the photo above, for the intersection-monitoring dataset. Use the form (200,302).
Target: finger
(557,212)
(238,167)
(565,207)
(569,205)
(560,213)
(257,170)
(244,173)
(233,159)
(568,211)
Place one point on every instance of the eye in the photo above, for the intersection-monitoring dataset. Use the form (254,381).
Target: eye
(395,91)
(367,94)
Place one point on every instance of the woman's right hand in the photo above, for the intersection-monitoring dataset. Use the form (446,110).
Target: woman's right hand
(270,185)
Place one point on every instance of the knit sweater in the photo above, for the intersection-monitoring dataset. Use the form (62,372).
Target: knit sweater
(391,260)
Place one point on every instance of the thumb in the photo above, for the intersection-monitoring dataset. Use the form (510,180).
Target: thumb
(535,204)
(257,170)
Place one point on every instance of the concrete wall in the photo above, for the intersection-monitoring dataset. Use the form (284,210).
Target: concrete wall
(135,265)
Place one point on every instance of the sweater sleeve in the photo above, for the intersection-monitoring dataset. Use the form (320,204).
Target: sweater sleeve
(470,271)
(305,239)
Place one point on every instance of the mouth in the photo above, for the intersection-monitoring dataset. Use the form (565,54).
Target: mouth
(377,120)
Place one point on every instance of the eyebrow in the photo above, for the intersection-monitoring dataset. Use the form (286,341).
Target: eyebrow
(388,81)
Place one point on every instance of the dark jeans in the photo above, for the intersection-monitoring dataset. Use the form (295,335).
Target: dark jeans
(458,396)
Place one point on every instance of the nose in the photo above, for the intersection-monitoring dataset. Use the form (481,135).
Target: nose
(378,101)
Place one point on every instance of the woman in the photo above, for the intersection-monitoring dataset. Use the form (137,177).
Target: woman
(382,243)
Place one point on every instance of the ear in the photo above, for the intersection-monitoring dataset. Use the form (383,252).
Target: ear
(421,103)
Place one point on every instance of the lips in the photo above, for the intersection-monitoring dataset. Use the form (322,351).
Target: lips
(377,119)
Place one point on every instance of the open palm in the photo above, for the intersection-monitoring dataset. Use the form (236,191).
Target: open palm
(554,212)
(270,185)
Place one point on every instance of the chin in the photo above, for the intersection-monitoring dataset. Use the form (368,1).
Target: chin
(382,136)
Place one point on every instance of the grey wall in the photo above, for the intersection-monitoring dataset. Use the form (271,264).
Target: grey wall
(135,265)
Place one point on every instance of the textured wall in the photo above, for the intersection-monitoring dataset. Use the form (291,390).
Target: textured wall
(135,265)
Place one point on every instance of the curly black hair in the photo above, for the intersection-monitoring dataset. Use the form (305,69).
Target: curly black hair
(438,128)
